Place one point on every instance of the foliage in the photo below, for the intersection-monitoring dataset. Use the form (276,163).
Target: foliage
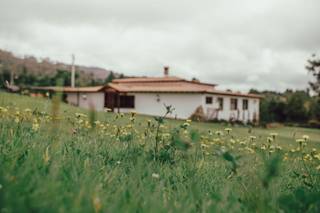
(110,77)
(65,159)
(31,71)
(314,68)
(288,107)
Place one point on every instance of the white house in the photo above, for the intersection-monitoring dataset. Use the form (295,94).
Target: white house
(148,95)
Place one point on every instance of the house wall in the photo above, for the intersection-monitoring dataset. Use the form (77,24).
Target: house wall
(185,105)
(226,114)
(85,100)
(153,104)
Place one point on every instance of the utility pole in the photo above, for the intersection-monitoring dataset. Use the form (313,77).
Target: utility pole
(12,73)
(73,72)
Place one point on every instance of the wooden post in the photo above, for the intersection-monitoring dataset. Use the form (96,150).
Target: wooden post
(118,97)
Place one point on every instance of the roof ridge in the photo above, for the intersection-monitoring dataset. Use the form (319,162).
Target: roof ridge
(148,79)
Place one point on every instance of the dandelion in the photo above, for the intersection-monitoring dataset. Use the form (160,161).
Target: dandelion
(204,145)
(107,110)
(155,176)
(132,119)
(228,130)
(273,135)
(305,137)
(27,110)
(300,141)
(251,151)
(219,133)
(272,149)
(307,157)
(35,127)
(317,156)
(185,125)
(243,143)
(133,113)
(269,139)
(4,110)
(252,138)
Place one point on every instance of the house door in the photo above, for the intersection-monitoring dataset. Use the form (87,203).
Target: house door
(111,100)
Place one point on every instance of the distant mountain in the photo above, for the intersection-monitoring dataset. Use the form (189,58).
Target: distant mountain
(19,67)
(98,73)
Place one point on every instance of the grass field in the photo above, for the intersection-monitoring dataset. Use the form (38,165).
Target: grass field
(58,158)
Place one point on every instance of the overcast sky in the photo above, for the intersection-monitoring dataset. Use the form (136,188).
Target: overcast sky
(237,44)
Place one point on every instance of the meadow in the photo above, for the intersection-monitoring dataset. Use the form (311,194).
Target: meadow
(59,158)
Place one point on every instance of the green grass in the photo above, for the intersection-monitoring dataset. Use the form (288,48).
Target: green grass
(73,164)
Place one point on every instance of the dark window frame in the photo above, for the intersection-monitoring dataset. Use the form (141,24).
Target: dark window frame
(127,101)
(220,103)
(233,104)
(245,104)
(209,100)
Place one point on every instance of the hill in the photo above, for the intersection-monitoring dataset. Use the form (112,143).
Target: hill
(36,69)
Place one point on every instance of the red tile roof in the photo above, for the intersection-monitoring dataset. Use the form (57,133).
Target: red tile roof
(168,85)
(71,89)
(151,85)
(147,79)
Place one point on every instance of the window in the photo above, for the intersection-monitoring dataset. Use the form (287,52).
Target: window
(126,101)
(234,104)
(245,104)
(208,100)
(220,102)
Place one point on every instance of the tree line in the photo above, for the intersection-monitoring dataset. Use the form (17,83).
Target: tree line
(291,107)
(295,107)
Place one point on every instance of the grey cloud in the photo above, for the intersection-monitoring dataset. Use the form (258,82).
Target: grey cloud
(237,44)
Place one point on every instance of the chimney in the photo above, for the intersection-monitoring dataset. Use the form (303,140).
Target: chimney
(166,71)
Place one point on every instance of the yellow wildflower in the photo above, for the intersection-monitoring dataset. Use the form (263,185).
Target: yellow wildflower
(96,202)
(228,130)
(155,176)
(305,137)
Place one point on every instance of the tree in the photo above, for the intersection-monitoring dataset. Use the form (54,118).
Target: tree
(110,77)
(315,109)
(314,68)
(296,110)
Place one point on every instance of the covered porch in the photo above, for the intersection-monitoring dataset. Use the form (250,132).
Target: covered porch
(115,100)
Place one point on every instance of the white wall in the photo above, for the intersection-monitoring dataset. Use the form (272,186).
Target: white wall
(227,113)
(184,104)
(86,100)
(72,98)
